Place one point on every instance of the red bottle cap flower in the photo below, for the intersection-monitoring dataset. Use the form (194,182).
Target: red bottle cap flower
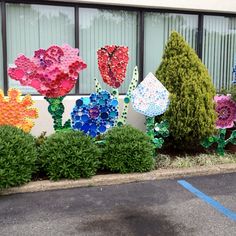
(112,64)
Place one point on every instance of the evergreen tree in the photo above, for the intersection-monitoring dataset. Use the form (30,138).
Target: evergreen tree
(191,114)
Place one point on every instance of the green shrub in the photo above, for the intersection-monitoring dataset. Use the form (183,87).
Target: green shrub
(17,156)
(41,139)
(191,113)
(231,91)
(40,172)
(69,154)
(127,149)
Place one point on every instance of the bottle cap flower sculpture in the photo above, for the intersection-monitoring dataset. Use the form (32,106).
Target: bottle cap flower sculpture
(150,98)
(226,116)
(226,110)
(112,64)
(95,114)
(52,72)
(16,111)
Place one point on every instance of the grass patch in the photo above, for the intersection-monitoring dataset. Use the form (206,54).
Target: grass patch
(164,161)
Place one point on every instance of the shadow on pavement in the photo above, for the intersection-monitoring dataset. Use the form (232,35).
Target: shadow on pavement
(132,222)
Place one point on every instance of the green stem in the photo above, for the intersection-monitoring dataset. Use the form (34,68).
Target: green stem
(150,123)
(220,140)
(56,109)
(98,86)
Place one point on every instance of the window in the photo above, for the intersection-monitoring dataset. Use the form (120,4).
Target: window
(33,26)
(30,27)
(98,27)
(1,54)
(219,48)
(157,29)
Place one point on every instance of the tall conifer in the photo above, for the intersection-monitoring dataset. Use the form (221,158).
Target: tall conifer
(191,113)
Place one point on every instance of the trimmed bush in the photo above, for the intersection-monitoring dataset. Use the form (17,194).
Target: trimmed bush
(69,154)
(40,139)
(40,172)
(17,156)
(191,113)
(127,149)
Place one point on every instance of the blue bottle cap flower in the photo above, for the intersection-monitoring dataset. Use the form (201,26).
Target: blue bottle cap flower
(95,114)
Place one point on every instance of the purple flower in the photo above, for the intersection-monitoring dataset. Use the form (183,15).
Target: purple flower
(226,110)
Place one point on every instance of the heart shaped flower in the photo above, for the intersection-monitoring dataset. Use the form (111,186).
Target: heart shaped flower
(112,64)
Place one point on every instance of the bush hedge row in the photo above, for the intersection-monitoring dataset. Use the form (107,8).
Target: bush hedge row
(71,154)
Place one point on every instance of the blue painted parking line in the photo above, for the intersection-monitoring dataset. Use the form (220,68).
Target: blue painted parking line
(230,214)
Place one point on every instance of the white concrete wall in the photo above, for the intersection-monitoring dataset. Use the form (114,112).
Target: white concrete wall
(45,122)
(228,6)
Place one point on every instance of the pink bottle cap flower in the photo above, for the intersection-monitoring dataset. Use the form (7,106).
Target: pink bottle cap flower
(226,111)
(52,72)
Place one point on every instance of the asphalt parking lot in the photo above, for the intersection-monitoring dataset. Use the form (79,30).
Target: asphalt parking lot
(191,206)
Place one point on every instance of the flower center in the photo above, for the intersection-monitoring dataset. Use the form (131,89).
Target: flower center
(94,112)
(224,113)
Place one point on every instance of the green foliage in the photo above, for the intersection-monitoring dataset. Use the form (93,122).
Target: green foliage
(221,141)
(56,109)
(127,149)
(69,154)
(157,131)
(40,172)
(191,115)
(231,90)
(17,156)
(40,139)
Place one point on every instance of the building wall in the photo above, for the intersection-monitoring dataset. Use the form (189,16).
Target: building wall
(200,5)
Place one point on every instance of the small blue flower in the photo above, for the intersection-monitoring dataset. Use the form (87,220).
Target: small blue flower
(95,114)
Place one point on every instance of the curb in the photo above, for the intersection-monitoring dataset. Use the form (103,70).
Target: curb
(112,179)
